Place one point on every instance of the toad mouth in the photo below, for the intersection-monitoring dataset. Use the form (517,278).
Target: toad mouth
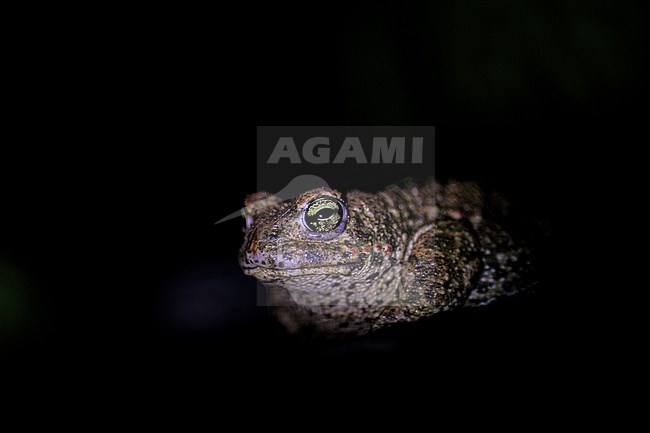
(345,268)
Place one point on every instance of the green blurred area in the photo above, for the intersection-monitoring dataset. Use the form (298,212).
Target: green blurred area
(18,306)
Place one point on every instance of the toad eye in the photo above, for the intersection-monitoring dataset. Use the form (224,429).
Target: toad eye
(325,217)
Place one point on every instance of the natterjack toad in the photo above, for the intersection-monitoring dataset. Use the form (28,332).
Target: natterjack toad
(354,263)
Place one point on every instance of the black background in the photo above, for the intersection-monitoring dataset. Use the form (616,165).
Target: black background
(130,141)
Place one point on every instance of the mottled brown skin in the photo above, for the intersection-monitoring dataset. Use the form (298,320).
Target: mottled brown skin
(406,253)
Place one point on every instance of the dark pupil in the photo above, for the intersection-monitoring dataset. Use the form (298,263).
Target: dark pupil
(323,215)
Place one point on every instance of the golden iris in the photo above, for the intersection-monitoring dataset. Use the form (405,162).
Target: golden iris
(323,214)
